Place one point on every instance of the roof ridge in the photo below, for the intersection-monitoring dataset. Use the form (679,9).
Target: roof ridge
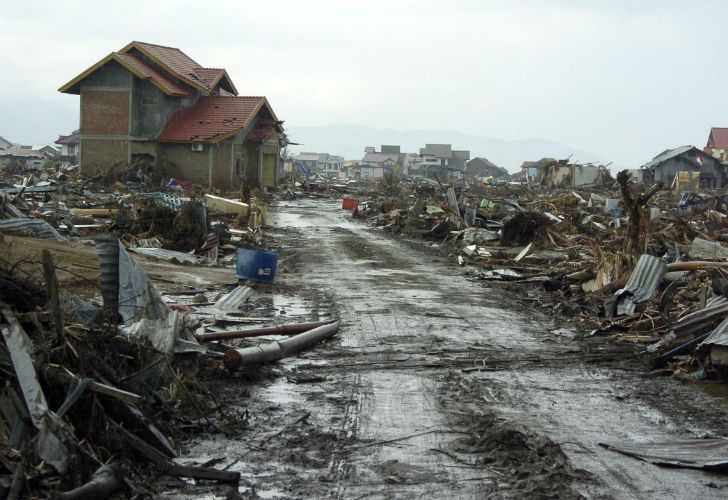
(236,96)
(158,45)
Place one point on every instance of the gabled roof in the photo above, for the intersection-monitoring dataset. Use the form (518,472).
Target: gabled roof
(20,152)
(168,68)
(486,161)
(138,68)
(672,153)
(213,119)
(379,157)
(69,139)
(182,66)
(718,138)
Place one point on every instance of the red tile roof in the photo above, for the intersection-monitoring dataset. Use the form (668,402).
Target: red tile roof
(211,118)
(181,65)
(208,76)
(168,68)
(175,59)
(718,138)
(148,72)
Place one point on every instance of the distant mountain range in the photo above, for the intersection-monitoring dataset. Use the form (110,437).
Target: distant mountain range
(349,141)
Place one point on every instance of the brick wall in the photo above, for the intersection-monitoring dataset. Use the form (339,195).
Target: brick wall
(105,112)
(99,155)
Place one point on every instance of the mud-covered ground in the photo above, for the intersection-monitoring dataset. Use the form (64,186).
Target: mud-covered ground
(438,386)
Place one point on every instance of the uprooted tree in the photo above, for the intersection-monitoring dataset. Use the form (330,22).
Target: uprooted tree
(635,206)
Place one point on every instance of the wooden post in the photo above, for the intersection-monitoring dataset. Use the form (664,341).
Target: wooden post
(49,270)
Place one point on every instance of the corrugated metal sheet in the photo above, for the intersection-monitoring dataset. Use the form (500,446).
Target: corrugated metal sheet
(640,287)
(170,255)
(234,300)
(700,322)
(37,228)
(719,335)
(695,453)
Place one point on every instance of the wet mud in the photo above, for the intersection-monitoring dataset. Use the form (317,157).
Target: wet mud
(437,387)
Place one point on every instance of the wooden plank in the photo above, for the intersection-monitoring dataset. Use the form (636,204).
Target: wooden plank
(59,373)
(158,459)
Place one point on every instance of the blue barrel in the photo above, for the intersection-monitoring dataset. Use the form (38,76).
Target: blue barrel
(256,265)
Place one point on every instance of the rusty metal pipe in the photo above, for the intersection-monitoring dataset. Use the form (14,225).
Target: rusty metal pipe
(237,358)
(292,329)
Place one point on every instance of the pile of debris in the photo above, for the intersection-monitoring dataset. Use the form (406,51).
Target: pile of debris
(642,263)
(93,395)
(179,225)
(87,393)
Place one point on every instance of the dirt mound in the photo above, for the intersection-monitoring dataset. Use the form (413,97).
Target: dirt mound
(524,227)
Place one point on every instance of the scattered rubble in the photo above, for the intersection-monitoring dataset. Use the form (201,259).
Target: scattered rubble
(621,259)
(98,386)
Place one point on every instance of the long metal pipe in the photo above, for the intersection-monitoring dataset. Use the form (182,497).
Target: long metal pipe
(292,329)
(236,358)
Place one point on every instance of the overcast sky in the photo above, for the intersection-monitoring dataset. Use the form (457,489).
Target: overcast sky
(622,79)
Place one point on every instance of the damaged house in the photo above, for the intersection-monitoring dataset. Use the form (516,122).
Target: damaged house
(156,103)
(665,167)
(479,168)
(718,143)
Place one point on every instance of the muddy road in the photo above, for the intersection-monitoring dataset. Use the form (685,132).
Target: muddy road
(438,386)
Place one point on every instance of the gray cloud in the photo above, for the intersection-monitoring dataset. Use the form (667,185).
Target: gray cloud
(623,79)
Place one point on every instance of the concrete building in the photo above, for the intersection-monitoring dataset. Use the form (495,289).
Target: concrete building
(70,148)
(151,101)
(308,161)
(443,161)
(667,164)
(368,172)
(330,165)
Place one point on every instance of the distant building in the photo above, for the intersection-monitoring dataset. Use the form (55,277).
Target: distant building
(5,144)
(309,161)
(47,151)
(717,145)
(530,169)
(70,148)
(371,172)
(482,167)
(667,164)
(19,155)
(351,169)
(388,161)
(330,165)
(443,161)
(380,160)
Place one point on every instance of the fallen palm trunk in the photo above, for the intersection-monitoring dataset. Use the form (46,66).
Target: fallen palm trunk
(102,484)
(292,329)
(237,358)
